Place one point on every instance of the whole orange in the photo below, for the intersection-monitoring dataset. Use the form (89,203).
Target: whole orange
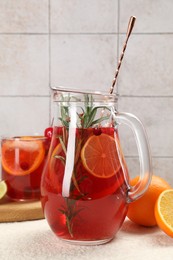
(141,211)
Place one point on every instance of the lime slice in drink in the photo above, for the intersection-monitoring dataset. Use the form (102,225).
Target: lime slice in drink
(3,189)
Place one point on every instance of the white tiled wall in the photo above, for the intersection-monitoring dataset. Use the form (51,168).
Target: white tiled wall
(77,43)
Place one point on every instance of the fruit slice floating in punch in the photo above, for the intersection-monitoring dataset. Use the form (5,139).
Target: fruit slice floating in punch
(100,157)
(22,156)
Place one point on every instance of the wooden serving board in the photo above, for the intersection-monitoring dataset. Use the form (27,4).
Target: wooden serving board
(11,211)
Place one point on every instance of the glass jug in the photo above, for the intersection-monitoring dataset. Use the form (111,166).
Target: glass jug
(85,188)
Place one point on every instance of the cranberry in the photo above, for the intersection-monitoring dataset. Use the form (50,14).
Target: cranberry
(24,166)
(97,131)
(48,132)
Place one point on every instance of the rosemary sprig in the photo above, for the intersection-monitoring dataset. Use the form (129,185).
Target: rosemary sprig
(70,213)
(63,160)
(89,116)
(65,118)
(63,145)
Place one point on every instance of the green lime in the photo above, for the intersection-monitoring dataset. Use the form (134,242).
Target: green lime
(3,189)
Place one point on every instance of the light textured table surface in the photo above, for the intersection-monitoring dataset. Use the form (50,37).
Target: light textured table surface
(35,240)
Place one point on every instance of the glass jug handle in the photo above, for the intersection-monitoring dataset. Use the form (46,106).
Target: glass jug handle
(144,154)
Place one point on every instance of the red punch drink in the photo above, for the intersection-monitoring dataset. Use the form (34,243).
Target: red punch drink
(23,159)
(95,206)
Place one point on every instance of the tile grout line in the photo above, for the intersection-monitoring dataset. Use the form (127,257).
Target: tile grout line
(24,96)
(145,96)
(86,33)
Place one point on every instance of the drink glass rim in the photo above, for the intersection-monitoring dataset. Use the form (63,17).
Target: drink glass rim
(83,91)
(60,91)
(22,137)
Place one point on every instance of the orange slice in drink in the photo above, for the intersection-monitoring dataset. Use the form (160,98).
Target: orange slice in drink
(100,156)
(56,168)
(56,158)
(21,156)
